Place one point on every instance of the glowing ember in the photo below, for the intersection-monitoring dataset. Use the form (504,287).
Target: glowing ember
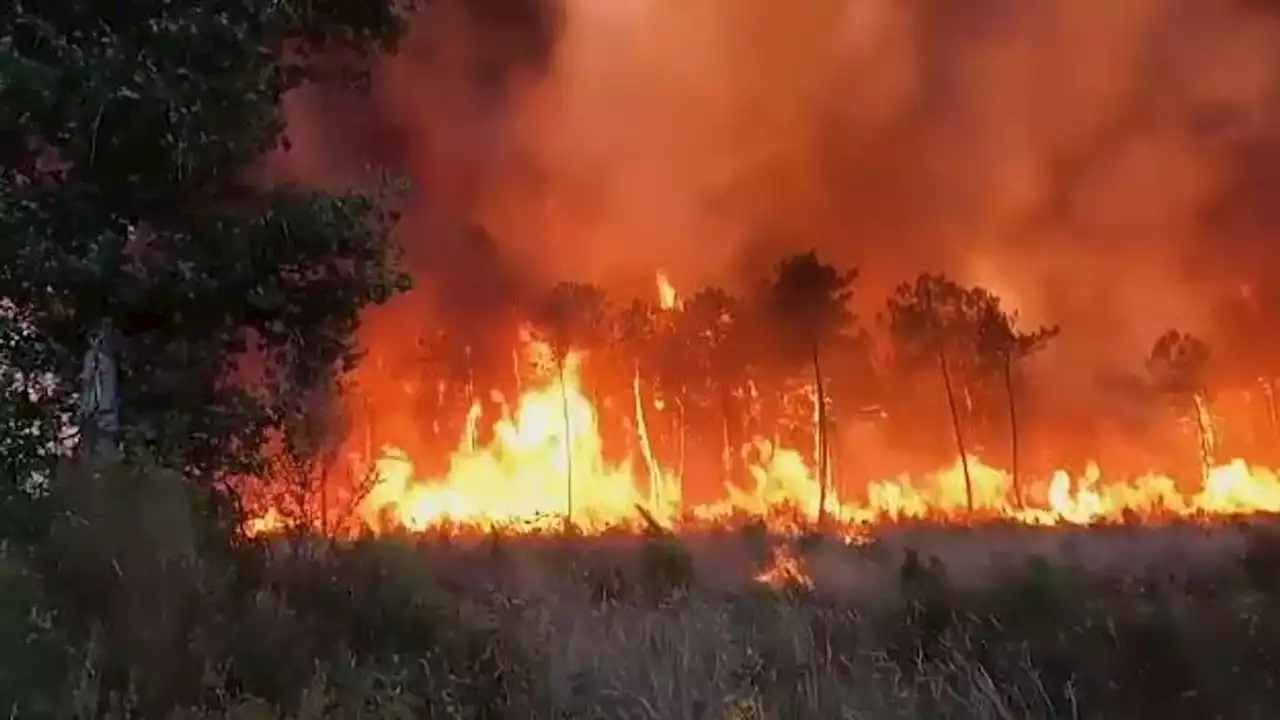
(785,571)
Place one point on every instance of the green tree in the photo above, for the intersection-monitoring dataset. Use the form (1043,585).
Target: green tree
(126,134)
(809,304)
(1002,345)
(572,316)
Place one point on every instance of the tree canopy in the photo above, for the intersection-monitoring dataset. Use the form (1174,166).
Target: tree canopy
(127,135)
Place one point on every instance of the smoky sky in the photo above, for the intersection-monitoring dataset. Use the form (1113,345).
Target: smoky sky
(1112,167)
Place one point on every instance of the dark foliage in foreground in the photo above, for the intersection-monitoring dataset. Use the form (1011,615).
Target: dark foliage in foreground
(136,608)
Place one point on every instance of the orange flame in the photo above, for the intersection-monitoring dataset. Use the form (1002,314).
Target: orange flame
(520,480)
(546,461)
(668,297)
(786,570)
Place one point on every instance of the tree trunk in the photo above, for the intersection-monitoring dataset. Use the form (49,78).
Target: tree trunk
(955,425)
(1201,409)
(471,401)
(99,411)
(735,429)
(1269,389)
(324,505)
(568,447)
(834,454)
(681,450)
(726,442)
(515,372)
(646,444)
(821,399)
(1013,428)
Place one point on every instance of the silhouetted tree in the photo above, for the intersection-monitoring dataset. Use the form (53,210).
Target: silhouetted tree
(572,315)
(636,336)
(809,300)
(1179,366)
(1244,327)
(479,317)
(1003,345)
(936,321)
(710,322)
(675,378)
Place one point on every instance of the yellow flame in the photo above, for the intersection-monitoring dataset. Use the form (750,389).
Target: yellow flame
(786,570)
(668,298)
(518,479)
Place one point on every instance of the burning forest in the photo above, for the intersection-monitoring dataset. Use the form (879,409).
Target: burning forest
(637,359)
(1081,337)
(588,412)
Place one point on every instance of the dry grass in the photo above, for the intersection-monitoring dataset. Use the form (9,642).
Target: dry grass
(724,645)
(134,615)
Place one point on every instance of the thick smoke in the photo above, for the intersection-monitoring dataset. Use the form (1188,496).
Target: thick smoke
(439,113)
(1089,161)
(1108,166)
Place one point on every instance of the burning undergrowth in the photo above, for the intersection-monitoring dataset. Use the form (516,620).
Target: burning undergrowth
(688,413)
(895,136)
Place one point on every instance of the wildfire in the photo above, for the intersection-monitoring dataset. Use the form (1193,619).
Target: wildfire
(545,467)
(786,570)
(546,463)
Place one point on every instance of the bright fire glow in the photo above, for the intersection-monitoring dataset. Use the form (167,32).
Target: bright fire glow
(786,570)
(546,465)
(549,444)
(521,479)
(668,298)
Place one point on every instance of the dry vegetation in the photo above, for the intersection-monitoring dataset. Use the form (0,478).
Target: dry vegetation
(137,607)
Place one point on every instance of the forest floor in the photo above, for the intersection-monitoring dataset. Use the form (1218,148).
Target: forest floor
(148,618)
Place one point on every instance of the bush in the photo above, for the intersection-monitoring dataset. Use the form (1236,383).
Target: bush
(35,663)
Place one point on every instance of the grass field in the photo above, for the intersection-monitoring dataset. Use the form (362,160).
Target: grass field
(125,618)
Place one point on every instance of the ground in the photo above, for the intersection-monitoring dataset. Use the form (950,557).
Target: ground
(998,621)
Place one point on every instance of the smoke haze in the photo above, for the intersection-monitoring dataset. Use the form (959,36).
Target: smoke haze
(1108,166)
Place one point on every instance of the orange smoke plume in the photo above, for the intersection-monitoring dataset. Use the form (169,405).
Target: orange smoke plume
(1116,194)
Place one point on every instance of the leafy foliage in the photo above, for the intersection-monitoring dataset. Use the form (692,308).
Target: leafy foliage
(1000,339)
(936,320)
(937,317)
(128,134)
(809,301)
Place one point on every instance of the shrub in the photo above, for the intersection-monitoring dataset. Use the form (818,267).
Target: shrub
(666,569)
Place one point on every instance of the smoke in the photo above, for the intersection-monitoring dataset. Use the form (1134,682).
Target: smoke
(1075,157)
(1104,166)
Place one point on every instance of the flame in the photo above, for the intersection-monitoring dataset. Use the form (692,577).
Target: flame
(786,570)
(545,468)
(548,451)
(668,297)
